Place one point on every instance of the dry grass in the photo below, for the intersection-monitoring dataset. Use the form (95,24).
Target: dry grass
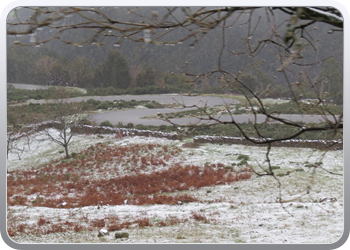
(98,176)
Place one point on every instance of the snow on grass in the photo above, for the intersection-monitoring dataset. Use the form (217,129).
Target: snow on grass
(245,211)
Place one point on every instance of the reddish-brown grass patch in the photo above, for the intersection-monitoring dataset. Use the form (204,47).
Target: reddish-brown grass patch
(92,178)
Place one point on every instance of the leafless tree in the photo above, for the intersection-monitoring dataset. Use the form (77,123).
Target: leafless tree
(65,116)
(13,136)
(16,132)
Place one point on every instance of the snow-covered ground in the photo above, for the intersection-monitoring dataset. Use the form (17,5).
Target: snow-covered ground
(246,211)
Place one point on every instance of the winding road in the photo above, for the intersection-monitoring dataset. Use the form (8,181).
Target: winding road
(135,115)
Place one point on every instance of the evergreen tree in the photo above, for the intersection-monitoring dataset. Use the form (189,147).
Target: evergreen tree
(113,72)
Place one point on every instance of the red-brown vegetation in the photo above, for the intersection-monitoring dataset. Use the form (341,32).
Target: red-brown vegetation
(107,174)
(107,186)
(111,223)
(199,217)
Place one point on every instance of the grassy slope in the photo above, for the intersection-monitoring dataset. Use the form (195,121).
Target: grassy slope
(242,211)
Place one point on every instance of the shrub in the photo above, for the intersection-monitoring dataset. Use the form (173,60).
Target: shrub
(163,127)
(244,159)
(144,222)
(114,227)
(130,125)
(93,102)
(84,121)
(153,105)
(120,125)
(119,235)
(103,105)
(199,217)
(41,221)
(106,124)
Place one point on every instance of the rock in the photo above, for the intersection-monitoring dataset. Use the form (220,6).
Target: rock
(102,232)
(120,235)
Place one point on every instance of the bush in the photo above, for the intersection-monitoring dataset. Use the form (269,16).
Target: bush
(162,127)
(120,125)
(85,121)
(243,158)
(103,105)
(119,235)
(93,102)
(130,125)
(106,124)
(150,106)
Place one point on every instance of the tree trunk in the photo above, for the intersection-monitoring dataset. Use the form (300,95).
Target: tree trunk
(66,150)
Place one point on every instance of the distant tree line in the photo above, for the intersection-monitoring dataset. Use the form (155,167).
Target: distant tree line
(113,75)
(46,67)
(143,67)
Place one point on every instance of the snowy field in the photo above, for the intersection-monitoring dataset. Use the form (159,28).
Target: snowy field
(245,211)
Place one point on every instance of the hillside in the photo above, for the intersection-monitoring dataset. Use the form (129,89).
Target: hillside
(176,192)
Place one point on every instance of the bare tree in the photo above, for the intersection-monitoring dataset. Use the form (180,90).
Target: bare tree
(65,116)
(16,132)
(50,71)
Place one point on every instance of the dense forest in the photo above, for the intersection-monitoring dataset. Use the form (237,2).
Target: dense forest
(139,68)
